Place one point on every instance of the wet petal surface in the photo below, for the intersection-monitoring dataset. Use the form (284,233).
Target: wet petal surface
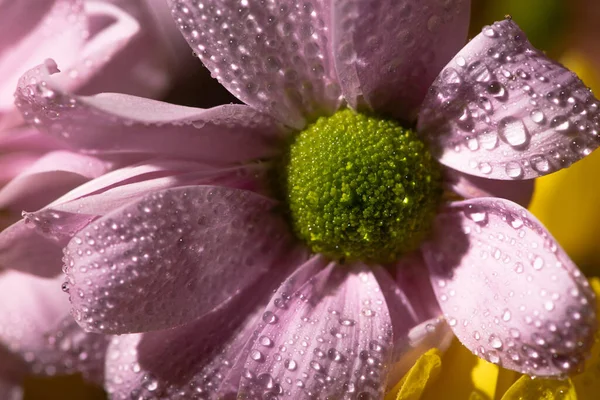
(274,56)
(502,110)
(170,257)
(203,358)
(387,53)
(509,292)
(121,126)
(40,335)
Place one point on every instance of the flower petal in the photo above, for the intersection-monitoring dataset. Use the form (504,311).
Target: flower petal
(99,47)
(423,374)
(10,391)
(69,214)
(51,176)
(118,125)
(546,389)
(508,291)
(387,53)
(203,356)
(160,251)
(274,56)
(56,29)
(37,330)
(471,186)
(330,338)
(502,110)
(23,249)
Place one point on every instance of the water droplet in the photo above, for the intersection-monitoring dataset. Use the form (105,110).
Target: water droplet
(479,217)
(519,268)
(490,32)
(269,318)
(540,163)
(290,365)
(495,342)
(537,116)
(316,366)
(514,170)
(538,263)
(256,356)
(506,315)
(560,123)
(513,131)
(485,167)
(479,71)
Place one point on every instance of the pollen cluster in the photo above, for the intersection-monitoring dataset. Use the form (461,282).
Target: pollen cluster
(360,187)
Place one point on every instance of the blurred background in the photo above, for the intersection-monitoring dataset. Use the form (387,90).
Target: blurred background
(567,202)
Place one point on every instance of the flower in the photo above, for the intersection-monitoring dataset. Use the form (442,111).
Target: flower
(192,265)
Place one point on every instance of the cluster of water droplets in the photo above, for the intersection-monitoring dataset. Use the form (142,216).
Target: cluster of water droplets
(150,261)
(274,56)
(329,338)
(373,39)
(502,109)
(529,308)
(324,333)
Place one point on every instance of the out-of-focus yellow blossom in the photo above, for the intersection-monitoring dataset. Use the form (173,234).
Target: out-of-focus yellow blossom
(567,201)
(460,375)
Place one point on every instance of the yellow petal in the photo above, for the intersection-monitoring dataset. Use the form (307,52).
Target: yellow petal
(543,389)
(423,373)
(587,384)
(463,376)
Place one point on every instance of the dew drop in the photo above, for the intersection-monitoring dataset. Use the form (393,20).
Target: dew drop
(513,131)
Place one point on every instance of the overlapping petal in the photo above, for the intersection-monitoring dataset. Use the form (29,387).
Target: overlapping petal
(502,110)
(122,126)
(471,186)
(387,53)
(145,266)
(274,56)
(38,333)
(23,249)
(509,292)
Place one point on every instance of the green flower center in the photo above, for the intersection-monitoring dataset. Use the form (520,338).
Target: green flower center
(360,187)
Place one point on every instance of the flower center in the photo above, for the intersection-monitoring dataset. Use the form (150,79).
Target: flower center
(360,187)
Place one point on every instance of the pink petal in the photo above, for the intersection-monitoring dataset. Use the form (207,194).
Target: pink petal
(56,29)
(502,110)
(120,125)
(144,266)
(274,56)
(23,249)
(388,52)
(509,292)
(35,327)
(72,212)
(204,356)
(471,186)
(154,57)
(48,178)
(330,337)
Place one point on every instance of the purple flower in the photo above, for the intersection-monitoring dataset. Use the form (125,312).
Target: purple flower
(190,258)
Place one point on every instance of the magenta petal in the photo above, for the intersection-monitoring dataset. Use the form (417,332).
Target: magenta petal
(502,110)
(204,356)
(120,125)
(389,52)
(274,56)
(330,337)
(471,186)
(38,332)
(509,292)
(23,249)
(171,257)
